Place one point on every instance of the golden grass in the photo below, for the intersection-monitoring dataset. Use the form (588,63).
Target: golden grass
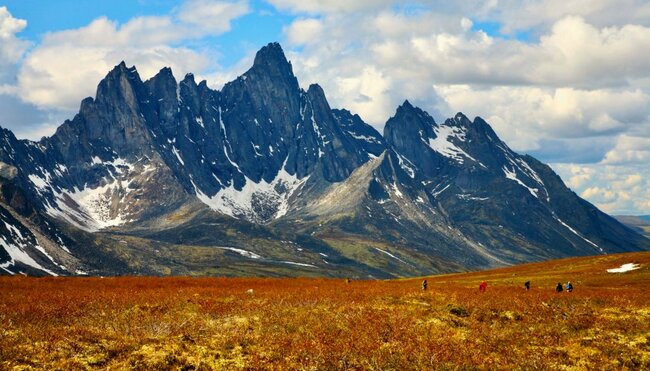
(218,323)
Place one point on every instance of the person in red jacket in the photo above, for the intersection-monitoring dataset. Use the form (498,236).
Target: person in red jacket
(483,286)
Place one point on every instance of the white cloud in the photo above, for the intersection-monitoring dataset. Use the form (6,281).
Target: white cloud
(370,89)
(329,6)
(584,78)
(67,65)
(523,15)
(573,53)
(629,150)
(303,31)
(73,71)
(12,48)
(10,26)
(613,189)
(523,116)
(582,54)
(211,16)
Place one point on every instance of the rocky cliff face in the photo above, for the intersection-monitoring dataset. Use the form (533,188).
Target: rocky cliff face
(268,168)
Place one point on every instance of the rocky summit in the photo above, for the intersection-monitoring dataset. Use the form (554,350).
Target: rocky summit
(264,178)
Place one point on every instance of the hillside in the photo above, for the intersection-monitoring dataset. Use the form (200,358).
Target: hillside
(253,323)
(640,223)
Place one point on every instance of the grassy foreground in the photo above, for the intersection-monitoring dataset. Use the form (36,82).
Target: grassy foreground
(203,323)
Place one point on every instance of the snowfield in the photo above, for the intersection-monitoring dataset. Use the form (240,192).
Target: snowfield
(624,268)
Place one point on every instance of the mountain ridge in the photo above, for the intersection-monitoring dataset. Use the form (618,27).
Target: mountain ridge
(272,171)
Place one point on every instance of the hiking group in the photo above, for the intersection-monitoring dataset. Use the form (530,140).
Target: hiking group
(483,286)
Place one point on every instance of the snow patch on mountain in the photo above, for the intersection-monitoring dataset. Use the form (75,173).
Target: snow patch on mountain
(242,252)
(299,264)
(392,256)
(469,197)
(512,175)
(435,192)
(89,208)
(15,248)
(362,137)
(38,182)
(96,208)
(525,169)
(406,165)
(578,234)
(443,145)
(253,198)
(178,155)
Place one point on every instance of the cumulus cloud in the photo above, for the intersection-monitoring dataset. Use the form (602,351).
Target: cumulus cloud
(629,150)
(302,31)
(613,189)
(66,66)
(525,115)
(209,16)
(72,71)
(523,15)
(574,82)
(11,47)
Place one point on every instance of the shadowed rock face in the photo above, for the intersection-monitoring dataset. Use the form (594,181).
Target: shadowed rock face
(150,146)
(490,193)
(147,155)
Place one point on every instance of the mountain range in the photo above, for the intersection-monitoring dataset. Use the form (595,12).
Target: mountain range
(264,178)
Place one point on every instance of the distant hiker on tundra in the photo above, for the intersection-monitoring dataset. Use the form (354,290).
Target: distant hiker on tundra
(424,285)
(558,288)
(527,285)
(482,287)
(569,287)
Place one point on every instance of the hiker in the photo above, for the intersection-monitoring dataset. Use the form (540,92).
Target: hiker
(482,287)
(569,287)
(527,285)
(558,288)
(424,285)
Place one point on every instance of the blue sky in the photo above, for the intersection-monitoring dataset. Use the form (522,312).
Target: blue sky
(252,30)
(262,25)
(562,80)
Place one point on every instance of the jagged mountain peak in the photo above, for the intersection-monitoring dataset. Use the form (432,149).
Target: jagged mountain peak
(121,83)
(406,105)
(189,78)
(270,54)
(272,60)
(262,146)
(163,84)
(407,113)
(459,119)
(166,70)
(405,108)
(407,124)
(122,69)
(316,89)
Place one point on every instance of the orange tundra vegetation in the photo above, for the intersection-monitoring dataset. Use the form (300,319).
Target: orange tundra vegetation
(219,323)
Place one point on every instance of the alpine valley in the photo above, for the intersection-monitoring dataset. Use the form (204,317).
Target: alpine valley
(264,178)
